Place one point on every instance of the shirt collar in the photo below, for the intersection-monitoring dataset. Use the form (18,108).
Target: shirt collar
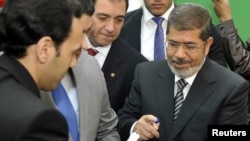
(189,80)
(102,50)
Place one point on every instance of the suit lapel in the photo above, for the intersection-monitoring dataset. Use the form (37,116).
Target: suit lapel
(198,94)
(111,67)
(133,23)
(81,89)
(137,31)
(47,98)
(164,84)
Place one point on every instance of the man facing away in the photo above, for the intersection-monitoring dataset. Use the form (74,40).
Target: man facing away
(40,41)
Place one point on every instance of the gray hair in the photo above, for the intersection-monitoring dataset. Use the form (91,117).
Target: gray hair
(189,16)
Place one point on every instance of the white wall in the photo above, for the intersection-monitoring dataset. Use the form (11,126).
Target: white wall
(134,4)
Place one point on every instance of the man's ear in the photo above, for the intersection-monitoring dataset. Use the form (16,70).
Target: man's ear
(45,48)
(208,44)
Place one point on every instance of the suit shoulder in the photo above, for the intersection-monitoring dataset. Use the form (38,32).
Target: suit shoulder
(26,99)
(46,122)
(85,58)
(24,107)
(132,16)
(225,74)
(153,65)
(133,13)
(128,50)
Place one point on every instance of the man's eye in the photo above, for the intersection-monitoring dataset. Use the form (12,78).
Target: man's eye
(190,46)
(173,44)
(102,18)
(120,19)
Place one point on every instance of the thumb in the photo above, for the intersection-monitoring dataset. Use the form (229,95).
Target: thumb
(153,120)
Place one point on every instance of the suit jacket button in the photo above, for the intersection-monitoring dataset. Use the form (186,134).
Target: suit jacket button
(112,74)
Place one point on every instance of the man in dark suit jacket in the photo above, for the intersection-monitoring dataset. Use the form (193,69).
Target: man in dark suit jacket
(35,40)
(134,34)
(116,58)
(212,94)
(24,117)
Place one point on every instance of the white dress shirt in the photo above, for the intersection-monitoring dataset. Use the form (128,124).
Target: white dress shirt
(186,89)
(148,28)
(70,89)
(134,4)
(102,52)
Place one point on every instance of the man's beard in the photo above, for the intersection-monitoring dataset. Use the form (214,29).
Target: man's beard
(185,72)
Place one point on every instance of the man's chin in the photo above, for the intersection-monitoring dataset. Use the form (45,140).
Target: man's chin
(105,43)
(182,72)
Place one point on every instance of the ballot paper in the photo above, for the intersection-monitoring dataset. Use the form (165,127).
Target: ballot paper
(134,137)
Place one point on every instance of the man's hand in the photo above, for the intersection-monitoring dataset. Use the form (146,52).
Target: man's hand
(147,127)
(222,10)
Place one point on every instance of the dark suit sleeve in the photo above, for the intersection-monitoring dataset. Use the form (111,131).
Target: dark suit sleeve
(233,109)
(216,52)
(48,125)
(130,111)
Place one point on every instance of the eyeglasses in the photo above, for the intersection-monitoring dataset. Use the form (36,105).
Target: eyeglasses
(188,47)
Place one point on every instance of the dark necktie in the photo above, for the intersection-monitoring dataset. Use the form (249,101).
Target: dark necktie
(92,51)
(159,52)
(66,108)
(179,98)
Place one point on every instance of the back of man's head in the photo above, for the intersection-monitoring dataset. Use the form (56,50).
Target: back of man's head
(87,7)
(24,22)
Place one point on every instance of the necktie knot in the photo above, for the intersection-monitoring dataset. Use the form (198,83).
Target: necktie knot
(181,84)
(158,20)
(92,51)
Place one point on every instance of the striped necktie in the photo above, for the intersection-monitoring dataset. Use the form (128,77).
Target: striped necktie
(159,51)
(179,98)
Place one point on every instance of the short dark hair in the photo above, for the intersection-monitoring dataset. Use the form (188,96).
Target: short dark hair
(88,7)
(189,16)
(24,22)
(126,1)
